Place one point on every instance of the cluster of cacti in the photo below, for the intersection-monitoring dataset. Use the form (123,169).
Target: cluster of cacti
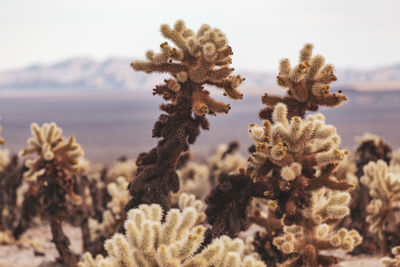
(383,210)
(164,209)
(392,262)
(51,176)
(307,83)
(293,163)
(200,178)
(149,241)
(198,59)
(126,168)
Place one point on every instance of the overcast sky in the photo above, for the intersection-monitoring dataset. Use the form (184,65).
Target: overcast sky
(349,33)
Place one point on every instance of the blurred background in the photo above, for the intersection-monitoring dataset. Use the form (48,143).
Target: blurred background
(68,62)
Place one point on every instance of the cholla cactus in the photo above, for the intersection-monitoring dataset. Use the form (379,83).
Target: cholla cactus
(308,240)
(126,168)
(291,144)
(6,238)
(293,163)
(47,142)
(189,200)
(4,154)
(287,153)
(1,138)
(327,205)
(4,159)
(225,159)
(395,158)
(52,178)
(194,179)
(392,262)
(383,182)
(197,60)
(97,231)
(346,170)
(371,147)
(150,242)
(305,245)
(119,193)
(307,83)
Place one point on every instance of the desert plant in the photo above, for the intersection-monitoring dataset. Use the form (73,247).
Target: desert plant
(126,168)
(396,158)
(225,159)
(96,230)
(293,163)
(307,83)
(51,175)
(199,59)
(1,138)
(194,179)
(10,180)
(392,262)
(369,148)
(383,182)
(149,241)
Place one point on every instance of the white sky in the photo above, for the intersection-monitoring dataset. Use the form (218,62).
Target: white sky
(349,33)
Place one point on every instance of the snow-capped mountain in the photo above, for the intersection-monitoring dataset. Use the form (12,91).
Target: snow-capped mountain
(85,74)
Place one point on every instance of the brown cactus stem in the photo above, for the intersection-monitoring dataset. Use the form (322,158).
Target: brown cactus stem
(156,177)
(228,203)
(62,243)
(10,180)
(30,208)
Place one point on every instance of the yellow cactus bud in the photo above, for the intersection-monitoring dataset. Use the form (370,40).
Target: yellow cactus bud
(203,108)
(325,89)
(163,45)
(302,66)
(338,154)
(172,52)
(272,205)
(280,80)
(261,146)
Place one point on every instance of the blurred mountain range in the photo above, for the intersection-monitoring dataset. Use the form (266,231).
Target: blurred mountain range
(85,74)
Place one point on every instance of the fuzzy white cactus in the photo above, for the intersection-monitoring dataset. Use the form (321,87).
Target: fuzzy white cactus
(189,200)
(294,238)
(392,262)
(223,162)
(395,158)
(4,158)
(194,179)
(126,169)
(289,144)
(327,205)
(383,182)
(150,242)
(49,144)
(119,193)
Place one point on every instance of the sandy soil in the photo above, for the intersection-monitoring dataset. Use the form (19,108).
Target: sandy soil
(36,249)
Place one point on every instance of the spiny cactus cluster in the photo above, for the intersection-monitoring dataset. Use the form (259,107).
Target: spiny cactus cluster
(392,262)
(150,242)
(52,181)
(164,209)
(383,210)
(197,60)
(293,163)
(307,83)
